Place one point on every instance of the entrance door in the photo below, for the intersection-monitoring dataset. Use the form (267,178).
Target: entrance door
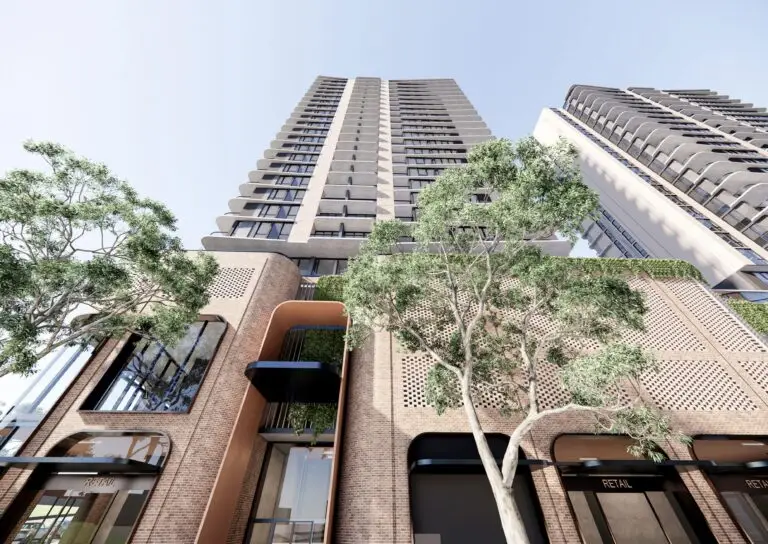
(84,510)
(637,511)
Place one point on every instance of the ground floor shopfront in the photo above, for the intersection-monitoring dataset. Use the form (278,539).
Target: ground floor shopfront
(219,461)
(93,487)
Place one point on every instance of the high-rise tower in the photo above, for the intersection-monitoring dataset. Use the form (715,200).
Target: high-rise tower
(354,151)
(681,174)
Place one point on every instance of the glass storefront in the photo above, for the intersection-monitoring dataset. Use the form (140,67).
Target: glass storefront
(96,498)
(739,474)
(293,500)
(76,509)
(617,498)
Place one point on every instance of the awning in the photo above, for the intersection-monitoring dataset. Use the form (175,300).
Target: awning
(449,463)
(295,381)
(81,464)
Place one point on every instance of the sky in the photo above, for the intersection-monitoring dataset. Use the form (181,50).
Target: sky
(182,97)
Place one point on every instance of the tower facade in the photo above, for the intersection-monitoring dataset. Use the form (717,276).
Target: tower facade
(680,173)
(353,151)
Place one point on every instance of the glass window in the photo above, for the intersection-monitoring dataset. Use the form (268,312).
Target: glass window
(326,267)
(70,511)
(293,501)
(39,394)
(89,508)
(242,228)
(148,376)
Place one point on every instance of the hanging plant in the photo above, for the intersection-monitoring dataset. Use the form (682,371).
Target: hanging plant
(315,418)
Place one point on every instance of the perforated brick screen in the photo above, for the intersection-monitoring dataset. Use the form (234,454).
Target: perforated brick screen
(232,282)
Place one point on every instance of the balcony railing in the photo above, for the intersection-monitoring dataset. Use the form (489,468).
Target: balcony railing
(277,419)
(307,367)
(306,291)
(287,531)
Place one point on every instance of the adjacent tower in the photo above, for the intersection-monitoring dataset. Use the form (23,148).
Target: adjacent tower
(681,174)
(354,151)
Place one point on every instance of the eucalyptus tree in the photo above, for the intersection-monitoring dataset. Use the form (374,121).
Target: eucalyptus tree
(75,239)
(468,285)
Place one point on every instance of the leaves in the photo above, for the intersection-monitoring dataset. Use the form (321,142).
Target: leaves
(754,313)
(77,239)
(592,379)
(491,310)
(316,417)
(330,288)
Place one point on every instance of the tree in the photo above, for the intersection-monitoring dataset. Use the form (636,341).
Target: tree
(493,311)
(77,240)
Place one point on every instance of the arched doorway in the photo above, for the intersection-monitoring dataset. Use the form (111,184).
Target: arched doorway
(618,498)
(451,499)
(90,489)
(737,466)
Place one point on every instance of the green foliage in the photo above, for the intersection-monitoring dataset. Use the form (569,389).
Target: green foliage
(317,418)
(592,379)
(324,346)
(330,288)
(77,239)
(756,315)
(646,426)
(655,268)
(475,294)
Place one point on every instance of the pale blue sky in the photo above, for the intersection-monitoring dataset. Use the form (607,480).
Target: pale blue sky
(181,97)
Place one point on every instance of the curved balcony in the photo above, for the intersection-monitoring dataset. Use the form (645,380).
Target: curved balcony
(303,354)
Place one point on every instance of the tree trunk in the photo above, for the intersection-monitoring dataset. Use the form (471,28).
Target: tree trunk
(511,522)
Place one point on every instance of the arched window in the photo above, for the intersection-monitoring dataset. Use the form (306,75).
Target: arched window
(737,466)
(91,488)
(616,497)
(451,499)
(148,376)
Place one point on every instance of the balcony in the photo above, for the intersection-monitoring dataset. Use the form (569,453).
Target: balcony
(303,354)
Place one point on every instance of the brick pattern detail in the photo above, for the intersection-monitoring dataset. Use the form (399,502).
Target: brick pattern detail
(723,326)
(707,385)
(758,371)
(198,438)
(695,385)
(232,282)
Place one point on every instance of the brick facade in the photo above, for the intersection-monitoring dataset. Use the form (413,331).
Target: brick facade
(712,381)
(198,438)
(716,385)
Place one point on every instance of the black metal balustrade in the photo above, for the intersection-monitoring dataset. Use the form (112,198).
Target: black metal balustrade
(286,531)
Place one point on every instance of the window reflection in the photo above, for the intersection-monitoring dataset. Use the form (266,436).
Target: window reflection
(40,392)
(293,501)
(68,513)
(149,376)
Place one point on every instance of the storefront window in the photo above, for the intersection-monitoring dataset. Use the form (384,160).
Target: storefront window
(293,501)
(450,498)
(618,498)
(74,510)
(73,507)
(740,476)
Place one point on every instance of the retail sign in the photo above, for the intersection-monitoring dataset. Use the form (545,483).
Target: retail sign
(741,482)
(756,484)
(616,484)
(612,483)
(101,484)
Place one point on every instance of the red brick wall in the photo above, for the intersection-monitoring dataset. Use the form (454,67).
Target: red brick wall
(198,438)
(719,393)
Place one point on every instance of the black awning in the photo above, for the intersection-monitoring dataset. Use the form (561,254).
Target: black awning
(295,381)
(81,464)
(450,462)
